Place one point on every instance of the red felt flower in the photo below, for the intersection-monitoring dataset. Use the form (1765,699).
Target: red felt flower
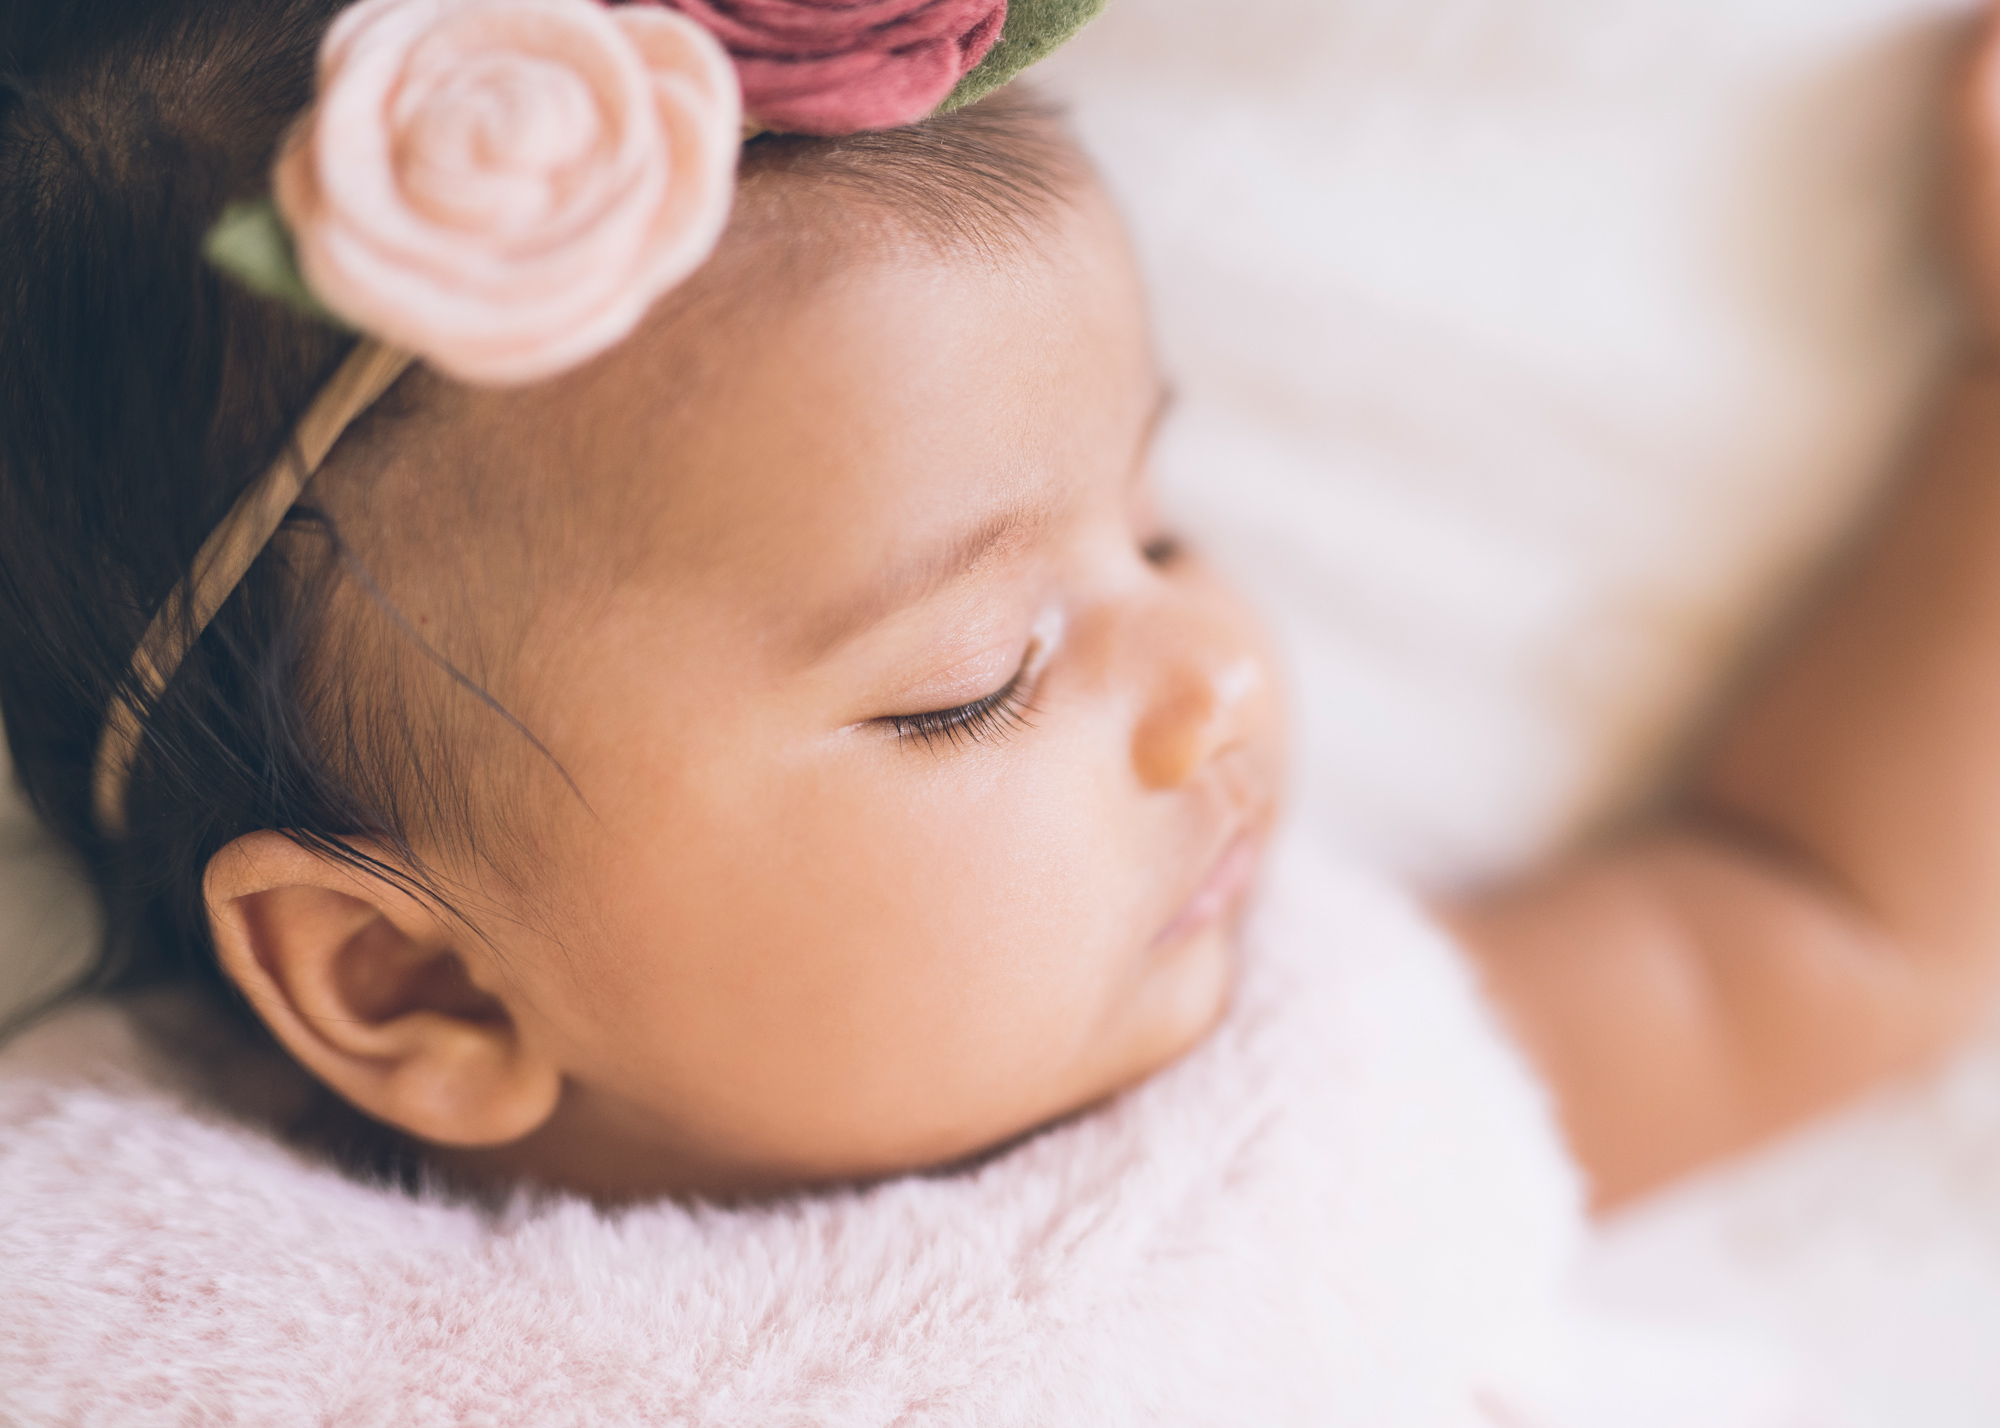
(836,66)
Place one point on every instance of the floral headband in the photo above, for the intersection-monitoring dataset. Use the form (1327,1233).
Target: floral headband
(502,189)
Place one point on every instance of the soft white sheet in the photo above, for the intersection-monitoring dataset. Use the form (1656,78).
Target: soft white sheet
(1347,1209)
(1530,350)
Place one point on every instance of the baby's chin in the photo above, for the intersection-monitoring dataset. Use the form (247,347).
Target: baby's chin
(1171,993)
(1182,996)
(1183,993)
(1180,993)
(1188,969)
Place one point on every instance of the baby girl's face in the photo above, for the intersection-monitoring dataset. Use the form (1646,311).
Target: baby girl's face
(922,771)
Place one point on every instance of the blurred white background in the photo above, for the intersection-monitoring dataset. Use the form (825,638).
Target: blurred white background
(1529,347)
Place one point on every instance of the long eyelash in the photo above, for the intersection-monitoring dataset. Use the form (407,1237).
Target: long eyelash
(993,717)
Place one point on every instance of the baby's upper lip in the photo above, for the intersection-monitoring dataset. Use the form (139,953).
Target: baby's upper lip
(1224,878)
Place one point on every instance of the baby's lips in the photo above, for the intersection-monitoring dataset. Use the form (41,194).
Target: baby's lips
(1229,879)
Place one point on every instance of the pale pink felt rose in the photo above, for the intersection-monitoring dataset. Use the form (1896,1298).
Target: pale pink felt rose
(504,187)
(838,66)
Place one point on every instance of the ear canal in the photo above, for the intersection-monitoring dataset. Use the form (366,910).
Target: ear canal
(383,974)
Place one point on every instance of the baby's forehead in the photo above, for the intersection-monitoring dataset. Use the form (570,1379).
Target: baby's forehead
(822,372)
(914,383)
(990,183)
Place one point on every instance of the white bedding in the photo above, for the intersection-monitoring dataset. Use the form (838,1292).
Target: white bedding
(1530,351)
(1347,1209)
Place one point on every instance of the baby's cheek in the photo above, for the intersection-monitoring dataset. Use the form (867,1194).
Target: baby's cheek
(993,927)
(1010,859)
(891,954)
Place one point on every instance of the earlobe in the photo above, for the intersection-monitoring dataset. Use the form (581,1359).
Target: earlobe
(366,986)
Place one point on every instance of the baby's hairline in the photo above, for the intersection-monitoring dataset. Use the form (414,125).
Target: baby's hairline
(983,181)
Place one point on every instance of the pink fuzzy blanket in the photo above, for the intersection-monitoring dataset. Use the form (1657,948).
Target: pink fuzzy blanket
(1347,1208)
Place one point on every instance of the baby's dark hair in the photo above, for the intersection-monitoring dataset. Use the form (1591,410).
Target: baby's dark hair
(141,391)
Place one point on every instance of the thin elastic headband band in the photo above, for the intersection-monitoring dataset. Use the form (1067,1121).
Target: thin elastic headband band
(225,558)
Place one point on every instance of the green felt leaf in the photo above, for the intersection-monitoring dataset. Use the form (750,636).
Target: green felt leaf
(250,243)
(1034,30)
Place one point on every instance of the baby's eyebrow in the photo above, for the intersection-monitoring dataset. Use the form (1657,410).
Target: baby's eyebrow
(1007,529)
(923,574)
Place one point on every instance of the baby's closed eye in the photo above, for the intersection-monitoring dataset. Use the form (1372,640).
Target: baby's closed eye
(990,717)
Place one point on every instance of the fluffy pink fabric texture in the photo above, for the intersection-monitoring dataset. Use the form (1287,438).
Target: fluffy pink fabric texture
(1335,1212)
(836,66)
(504,187)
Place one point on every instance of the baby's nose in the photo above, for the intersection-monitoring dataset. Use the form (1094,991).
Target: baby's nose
(1200,709)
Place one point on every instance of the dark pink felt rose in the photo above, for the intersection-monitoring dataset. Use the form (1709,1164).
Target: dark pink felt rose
(836,66)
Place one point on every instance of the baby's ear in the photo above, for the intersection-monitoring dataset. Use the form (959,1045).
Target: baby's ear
(366,987)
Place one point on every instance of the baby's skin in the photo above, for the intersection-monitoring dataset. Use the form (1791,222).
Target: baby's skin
(905,779)
(918,772)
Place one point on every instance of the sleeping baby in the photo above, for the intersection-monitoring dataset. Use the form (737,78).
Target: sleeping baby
(682,842)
